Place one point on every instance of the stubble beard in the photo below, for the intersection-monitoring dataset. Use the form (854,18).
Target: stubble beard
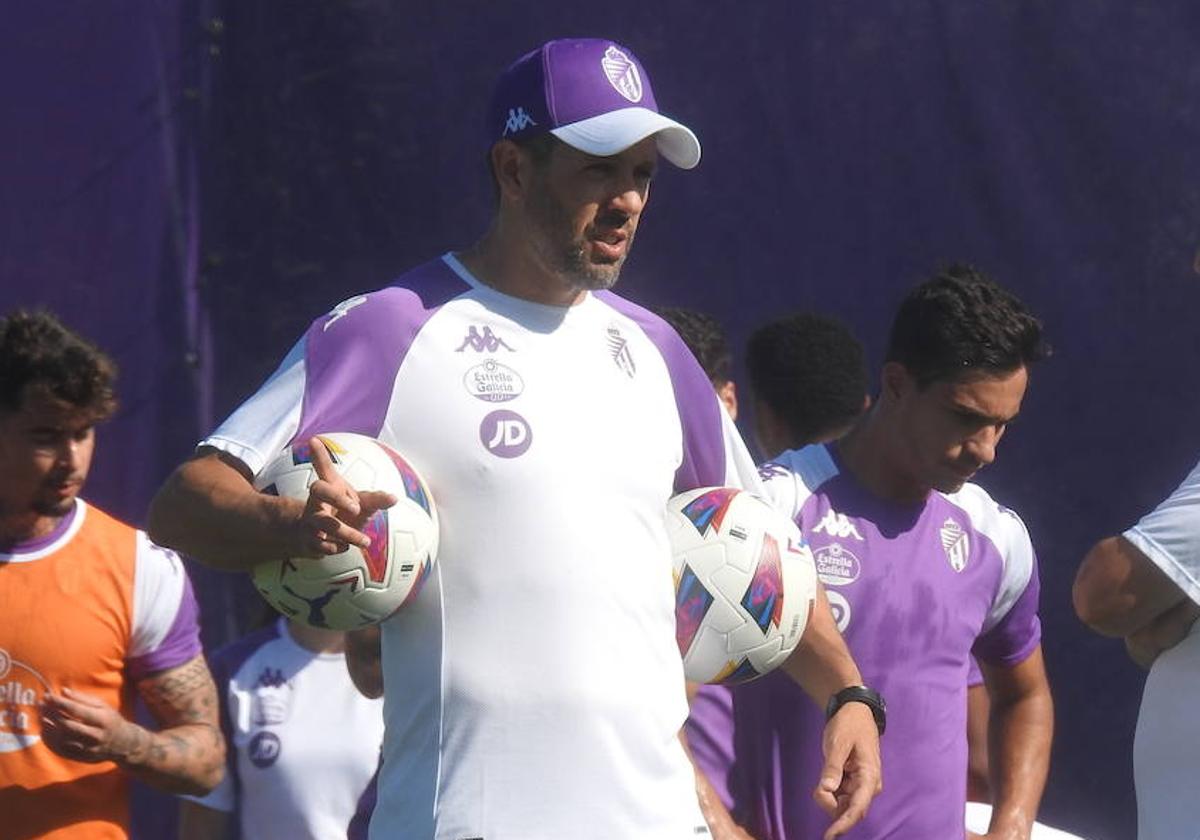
(570,262)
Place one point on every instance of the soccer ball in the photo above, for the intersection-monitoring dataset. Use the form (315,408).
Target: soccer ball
(744,584)
(358,586)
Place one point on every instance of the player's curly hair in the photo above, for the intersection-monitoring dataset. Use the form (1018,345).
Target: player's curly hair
(37,350)
(811,371)
(961,323)
(705,337)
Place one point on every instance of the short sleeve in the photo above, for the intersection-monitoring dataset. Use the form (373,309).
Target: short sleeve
(1012,629)
(166,629)
(1169,536)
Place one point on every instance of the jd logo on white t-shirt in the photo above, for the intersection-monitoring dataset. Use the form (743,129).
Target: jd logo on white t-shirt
(505,434)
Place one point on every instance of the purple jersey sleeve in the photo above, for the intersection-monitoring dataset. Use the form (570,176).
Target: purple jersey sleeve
(165,626)
(703,462)
(1018,633)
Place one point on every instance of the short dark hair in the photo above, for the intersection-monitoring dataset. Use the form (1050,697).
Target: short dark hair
(704,336)
(37,350)
(810,370)
(959,323)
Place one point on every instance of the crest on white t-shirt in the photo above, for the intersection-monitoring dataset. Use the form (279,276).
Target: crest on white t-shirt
(618,346)
(956,544)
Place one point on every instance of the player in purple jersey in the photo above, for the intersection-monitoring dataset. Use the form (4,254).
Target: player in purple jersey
(507,683)
(923,569)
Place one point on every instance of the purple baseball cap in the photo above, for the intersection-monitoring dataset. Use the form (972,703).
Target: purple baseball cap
(590,93)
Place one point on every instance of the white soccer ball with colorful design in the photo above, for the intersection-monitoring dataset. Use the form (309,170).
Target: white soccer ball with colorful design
(355,587)
(744,584)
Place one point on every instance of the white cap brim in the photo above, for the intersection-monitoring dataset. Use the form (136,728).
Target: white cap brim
(612,133)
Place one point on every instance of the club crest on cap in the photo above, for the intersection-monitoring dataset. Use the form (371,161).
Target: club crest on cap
(622,74)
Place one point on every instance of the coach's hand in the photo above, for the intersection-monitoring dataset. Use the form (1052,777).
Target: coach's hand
(81,727)
(335,511)
(851,776)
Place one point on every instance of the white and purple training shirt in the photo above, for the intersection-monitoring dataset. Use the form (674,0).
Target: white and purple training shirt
(915,590)
(534,688)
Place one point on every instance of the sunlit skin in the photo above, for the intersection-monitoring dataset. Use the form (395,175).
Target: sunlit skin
(565,225)
(937,437)
(45,453)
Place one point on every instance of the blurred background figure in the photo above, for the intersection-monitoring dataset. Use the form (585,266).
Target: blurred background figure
(303,742)
(705,337)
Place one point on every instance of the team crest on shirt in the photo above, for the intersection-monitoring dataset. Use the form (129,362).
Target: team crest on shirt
(618,348)
(21,692)
(622,74)
(956,544)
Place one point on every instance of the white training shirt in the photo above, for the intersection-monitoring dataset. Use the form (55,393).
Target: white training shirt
(1166,746)
(534,688)
(302,742)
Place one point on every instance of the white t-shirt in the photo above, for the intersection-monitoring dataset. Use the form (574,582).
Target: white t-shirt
(534,688)
(979,817)
(302,742)
(1166,746)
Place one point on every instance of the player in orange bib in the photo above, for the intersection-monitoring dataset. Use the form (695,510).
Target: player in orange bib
(90,612)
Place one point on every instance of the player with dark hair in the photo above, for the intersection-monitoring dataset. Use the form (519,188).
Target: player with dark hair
(808,380)
(554,420)
(923,568)
(705,337)
(90,611)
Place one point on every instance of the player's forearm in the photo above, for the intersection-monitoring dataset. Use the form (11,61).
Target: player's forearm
(184,759)
(821,664)
(1020,733)
(209,510)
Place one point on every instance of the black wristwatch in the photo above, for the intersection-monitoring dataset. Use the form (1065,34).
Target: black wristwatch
(860,694)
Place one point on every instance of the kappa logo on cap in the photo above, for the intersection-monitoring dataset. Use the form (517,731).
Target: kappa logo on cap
(622,74)
(517,120)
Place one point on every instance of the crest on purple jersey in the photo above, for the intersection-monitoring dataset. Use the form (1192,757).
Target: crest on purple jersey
(692,600)
(707,510)
(412,485)
(956,544)
(764,597)
(622,74)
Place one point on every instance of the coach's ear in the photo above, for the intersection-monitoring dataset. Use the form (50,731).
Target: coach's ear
(511,167)
(895,382)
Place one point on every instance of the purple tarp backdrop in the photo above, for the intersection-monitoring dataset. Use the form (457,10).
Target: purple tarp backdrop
(191,182)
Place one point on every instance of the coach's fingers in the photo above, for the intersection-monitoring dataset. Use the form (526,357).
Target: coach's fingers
(330,487)
(826,791)
(328,530)
(372,500)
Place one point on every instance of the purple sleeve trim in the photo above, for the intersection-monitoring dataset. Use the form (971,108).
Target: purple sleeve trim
(1016,635)
(974,675)
(699,412)
(352,354)
(180,645)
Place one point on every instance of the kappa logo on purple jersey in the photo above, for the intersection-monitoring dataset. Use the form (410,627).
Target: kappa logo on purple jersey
(483,341)
(505,434)
(764,597)
(707,510)
(618,347)
(264,749)
(622,74)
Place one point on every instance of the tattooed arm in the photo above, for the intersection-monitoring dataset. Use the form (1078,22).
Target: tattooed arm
(185,755)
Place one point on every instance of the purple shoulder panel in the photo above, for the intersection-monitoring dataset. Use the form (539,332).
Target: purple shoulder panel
(180,645)
(1016,635)
(352,354)
(703,437)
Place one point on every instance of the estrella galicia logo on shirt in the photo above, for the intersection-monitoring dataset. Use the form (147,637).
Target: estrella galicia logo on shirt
(21,692)
(483,341)
(505,434)
(264,749)
(491,381)
(836,565)
(956,544)
(618,347)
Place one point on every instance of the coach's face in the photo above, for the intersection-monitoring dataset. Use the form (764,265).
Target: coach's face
(45,454)
(583,211)
(949,430)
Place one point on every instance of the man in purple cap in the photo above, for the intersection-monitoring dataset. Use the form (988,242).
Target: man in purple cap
(923,569)
(533,689)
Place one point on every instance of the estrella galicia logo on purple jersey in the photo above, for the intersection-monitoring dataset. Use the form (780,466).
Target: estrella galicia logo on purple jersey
(264,749)
(836,565)
(505,434)
(482,341)
(493,382)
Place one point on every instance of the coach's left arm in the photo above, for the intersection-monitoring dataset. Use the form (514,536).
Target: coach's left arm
(1019,735)
(185,755)
(852,776)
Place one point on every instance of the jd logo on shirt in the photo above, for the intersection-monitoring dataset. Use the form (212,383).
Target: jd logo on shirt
(505,434)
